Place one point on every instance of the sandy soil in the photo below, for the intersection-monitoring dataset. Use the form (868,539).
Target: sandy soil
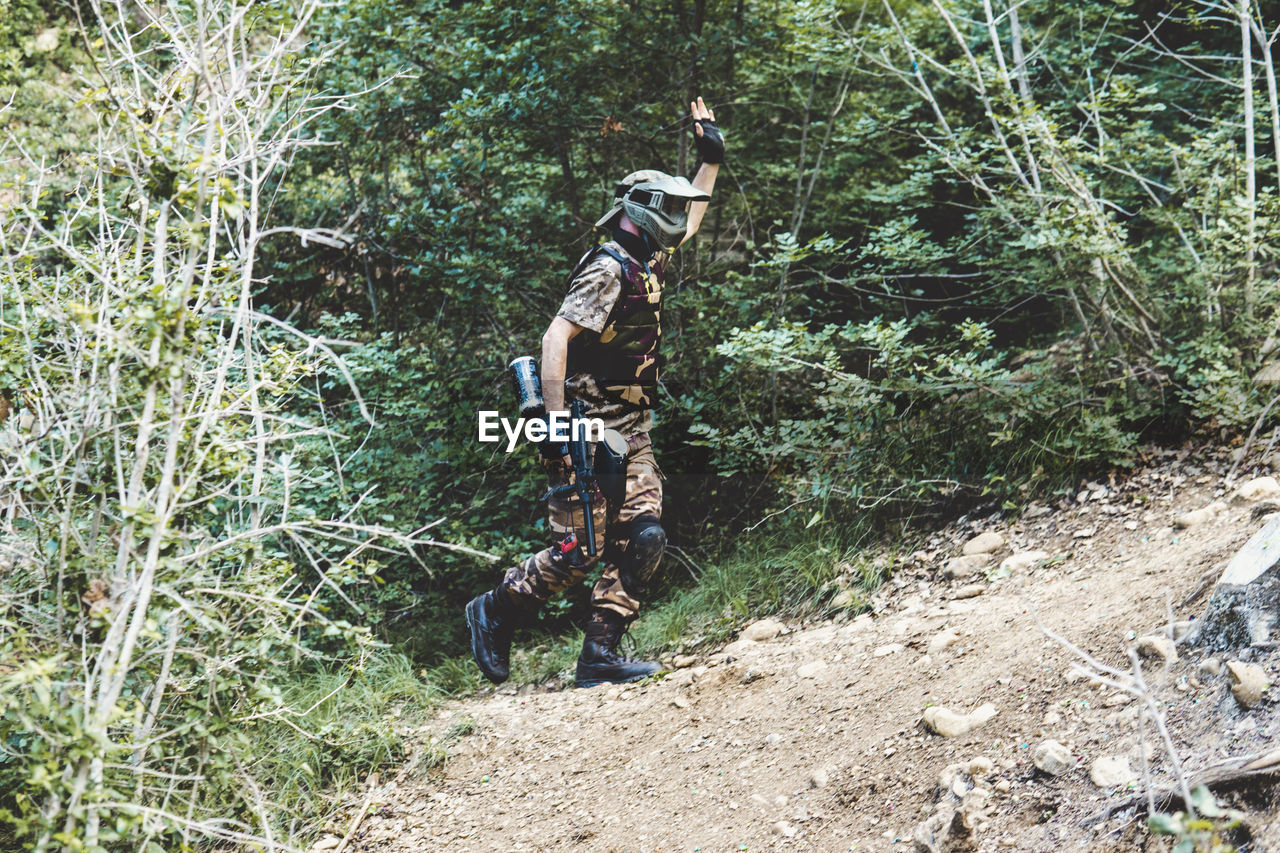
(813,740)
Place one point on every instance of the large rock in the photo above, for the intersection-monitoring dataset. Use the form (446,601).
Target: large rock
(987,542)
(1257,489)
(1242,609)
(1052,757)
(949,723)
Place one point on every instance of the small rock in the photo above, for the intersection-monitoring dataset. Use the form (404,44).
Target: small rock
(962,567)
(1157,648)
(948,723)
(781,801)
(772,737)
(1131,525)
(1052,757)
(1111,772)
(946,829)
(973,590)
(1022,561)
(682,678)
(953,778)
(1257,489)
(843,601)
(1085,533)
(1248,682)
(812,669)
(1209,668)
(943,641)
(890,649)
(1052,718)
(680,702)
(981,767)
(1003,786)
(784,829)
(681,661)
(923,662)
(764,629)
(820,778)
(987,542)
(1199,516)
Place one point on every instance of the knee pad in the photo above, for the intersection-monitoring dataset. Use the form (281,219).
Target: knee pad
(648,541)
(639,560)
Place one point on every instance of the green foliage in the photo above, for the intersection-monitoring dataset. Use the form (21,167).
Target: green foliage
(904,297)
(769,574)
(1198,834)
(932,276)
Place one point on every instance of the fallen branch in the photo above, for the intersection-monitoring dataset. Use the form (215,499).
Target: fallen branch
(364,810)
(1215,775)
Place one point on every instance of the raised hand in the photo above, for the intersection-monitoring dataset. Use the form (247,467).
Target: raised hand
(706,134)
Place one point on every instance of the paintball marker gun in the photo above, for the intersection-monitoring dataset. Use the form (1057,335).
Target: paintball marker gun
(606,470)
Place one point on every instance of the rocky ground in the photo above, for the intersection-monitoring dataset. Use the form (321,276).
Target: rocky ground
(946,719)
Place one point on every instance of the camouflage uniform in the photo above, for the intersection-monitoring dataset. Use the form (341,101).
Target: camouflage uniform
(593,294)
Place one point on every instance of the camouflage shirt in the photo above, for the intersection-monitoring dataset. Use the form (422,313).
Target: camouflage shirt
(588,303)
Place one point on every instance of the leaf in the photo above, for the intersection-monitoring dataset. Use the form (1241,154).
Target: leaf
(814,519)
(1163,824)
(1204,802)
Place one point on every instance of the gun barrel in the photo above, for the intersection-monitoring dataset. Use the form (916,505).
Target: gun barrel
(583,470)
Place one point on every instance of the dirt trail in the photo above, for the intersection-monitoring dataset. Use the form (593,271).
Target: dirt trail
(813,740)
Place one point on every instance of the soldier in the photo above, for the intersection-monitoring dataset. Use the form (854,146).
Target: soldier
(602,348)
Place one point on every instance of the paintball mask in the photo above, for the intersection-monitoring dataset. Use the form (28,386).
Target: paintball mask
(657,203)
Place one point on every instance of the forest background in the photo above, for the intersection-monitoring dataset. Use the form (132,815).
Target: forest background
(263,262)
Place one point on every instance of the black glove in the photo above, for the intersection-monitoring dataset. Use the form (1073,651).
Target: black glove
(710,143)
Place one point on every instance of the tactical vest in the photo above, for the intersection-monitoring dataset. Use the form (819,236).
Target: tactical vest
(623,358)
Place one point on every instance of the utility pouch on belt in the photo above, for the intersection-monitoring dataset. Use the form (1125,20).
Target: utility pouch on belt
(611,467)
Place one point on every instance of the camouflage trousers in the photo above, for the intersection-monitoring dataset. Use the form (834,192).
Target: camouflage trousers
(546,573)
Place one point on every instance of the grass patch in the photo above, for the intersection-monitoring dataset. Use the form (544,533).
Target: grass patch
(765,576)
(548,658)
(335,727)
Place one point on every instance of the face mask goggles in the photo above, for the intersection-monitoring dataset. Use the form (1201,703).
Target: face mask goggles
(671,205)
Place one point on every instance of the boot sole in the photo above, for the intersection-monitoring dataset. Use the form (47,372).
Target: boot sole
(476,642)
(597,682)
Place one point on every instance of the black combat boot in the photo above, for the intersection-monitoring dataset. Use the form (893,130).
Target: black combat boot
(492,619)
(600,662)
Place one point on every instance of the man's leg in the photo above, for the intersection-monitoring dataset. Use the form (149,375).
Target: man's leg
(492,617)
(636,540)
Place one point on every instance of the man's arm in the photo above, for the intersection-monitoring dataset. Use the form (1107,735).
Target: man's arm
(705,180)
(555,355)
